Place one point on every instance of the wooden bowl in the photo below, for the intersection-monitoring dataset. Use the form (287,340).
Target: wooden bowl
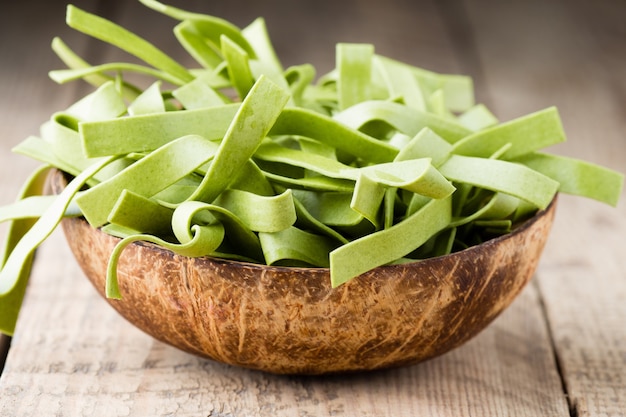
(290,321)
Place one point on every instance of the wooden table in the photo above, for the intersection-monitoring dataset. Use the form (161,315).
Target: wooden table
(559,350)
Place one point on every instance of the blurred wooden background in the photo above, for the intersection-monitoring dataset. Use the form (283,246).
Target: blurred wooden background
(560,350)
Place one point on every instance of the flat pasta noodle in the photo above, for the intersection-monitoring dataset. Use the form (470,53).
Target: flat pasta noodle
(150,101)
(197,95)
(458,90)
(64,76)
(110,32)
(367,198)
(354,68)
(304,122)
(416,175)
(33,207)
(507,177)
(525,134)
(266,62)
(195,44)
(145,133)
(577,177)
(402,118)
(293,244)
(195,213)
(211,28)
(75,62)
(401,82)
(141,214)
(238,66)
(205,240)
(106,102)
(260,213)
(249,126)
(11,298)
(383,247)
(161,168)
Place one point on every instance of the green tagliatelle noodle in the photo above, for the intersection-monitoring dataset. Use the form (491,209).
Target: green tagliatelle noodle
(376,162)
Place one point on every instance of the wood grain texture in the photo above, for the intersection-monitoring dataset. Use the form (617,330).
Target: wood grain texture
(79,357)
(73,355)
(572,55)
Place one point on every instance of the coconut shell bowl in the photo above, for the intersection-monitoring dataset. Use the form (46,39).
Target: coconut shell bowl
(288,320)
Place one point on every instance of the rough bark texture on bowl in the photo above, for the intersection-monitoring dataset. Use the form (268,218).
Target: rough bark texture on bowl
(290,320)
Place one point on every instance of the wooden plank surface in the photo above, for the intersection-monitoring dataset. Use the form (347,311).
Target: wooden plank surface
(73,355)
(572,54)
(25,56)
(88,361)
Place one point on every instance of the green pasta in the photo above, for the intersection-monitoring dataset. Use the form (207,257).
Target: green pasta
(376,162)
